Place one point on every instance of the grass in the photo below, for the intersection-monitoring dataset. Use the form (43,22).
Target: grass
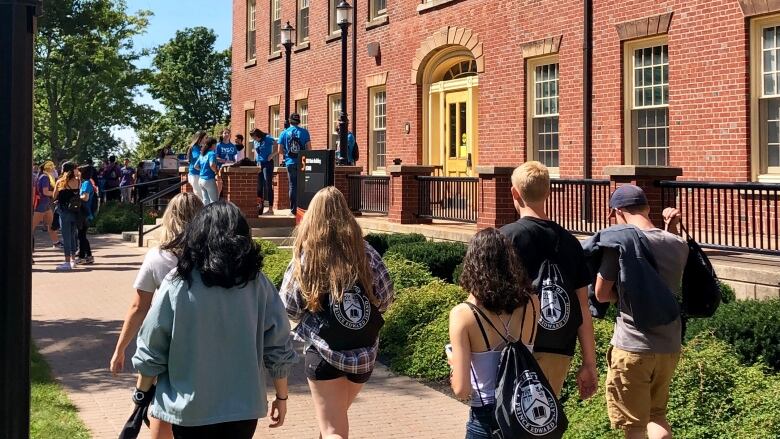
(51,413)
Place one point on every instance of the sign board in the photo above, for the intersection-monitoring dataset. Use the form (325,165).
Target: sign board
(315,171)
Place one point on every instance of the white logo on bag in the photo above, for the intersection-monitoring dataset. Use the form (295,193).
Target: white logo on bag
(534,405)
(353,311)
(555,304)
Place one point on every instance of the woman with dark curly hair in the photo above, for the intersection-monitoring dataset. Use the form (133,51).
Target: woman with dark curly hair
(230,325)
(500,296)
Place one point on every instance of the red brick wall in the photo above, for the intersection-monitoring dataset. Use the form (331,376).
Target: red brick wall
(708,45)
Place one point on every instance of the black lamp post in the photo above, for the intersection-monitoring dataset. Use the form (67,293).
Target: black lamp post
(287,42)
(343,19)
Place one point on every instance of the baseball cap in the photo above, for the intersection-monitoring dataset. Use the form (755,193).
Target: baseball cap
(295,118)
(626,196)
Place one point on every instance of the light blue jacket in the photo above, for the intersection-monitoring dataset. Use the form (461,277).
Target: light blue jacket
(208,348)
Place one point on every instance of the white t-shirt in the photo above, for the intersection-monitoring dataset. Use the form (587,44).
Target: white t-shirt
(157,264)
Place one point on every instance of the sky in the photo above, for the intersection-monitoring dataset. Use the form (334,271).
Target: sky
(170,16)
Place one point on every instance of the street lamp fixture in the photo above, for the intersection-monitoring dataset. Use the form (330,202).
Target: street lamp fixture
(287,32)
(344,20)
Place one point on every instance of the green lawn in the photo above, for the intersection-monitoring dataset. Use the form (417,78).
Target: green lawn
(52,415)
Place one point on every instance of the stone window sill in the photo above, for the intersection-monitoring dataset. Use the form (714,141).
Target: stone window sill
(250,63)
(335,36)
(434,4)
(769,178)
(274,56)
(377,22)
(301,47)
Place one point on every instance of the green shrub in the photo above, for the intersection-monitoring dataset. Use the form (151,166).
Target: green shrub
(414,336)
(751,326)
(267,248)
(405,273)
(456,273)
(441,258)
(378,241)
(116,217)
(275,264)
(727,293)
(384,241)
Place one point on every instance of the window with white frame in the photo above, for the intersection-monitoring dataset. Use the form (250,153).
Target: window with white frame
(378,128)
(276,26)
(378,8)
(543,110)
(273,121)
(334,105)
(249,119)
(303,21)
(333,27)
(647,99)
(765,99)
(251,36)
(302,108)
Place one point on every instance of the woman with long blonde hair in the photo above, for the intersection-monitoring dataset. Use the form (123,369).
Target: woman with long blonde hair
(158,262)
(44,204)
(337,288)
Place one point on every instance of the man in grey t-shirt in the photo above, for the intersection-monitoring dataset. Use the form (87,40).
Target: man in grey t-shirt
(641,361)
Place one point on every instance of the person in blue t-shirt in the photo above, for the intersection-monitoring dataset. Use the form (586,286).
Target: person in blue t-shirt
(265,151)
(226,151)
(193,153)
(207,169)
(87,193)
(292,141)
(352,151)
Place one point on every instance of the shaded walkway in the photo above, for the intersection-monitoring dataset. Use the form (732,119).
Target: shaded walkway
(77,316)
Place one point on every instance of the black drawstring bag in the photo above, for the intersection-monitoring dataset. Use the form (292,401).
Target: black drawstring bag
(142,400)
(350,324)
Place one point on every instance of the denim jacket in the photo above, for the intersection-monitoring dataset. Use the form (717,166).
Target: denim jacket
(641,287)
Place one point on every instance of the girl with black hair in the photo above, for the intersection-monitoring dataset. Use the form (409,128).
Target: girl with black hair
(228,318)
(66,194)
(500,296)
(88,195)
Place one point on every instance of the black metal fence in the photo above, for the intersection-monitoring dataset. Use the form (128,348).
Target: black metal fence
(448,198)
(735,216)
(164,190)
(579,206)
(369,193)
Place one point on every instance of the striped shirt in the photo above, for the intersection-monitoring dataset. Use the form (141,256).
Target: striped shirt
(355,361)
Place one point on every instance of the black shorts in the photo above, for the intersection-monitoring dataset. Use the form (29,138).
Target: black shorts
(317,369)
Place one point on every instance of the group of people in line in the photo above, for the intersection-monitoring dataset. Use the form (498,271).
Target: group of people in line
(209,323)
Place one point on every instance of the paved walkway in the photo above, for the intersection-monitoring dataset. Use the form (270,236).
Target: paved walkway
(77,317)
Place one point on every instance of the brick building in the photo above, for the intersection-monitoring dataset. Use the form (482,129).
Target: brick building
(464,85)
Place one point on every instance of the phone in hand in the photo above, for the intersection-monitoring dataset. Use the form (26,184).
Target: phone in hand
(448,349)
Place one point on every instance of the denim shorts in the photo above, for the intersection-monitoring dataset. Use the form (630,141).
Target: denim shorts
(482,422)
(317,369)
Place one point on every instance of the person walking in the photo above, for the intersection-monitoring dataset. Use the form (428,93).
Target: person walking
(226,151)
(293,140)
(88,195)
(352,151)
(126,182)
(158,262)
(216,327)
(555,261)
(112,175)
(66,192)
(207,168)
(335,273)
(43,210)
(640,269)
(265,151)
(193,154)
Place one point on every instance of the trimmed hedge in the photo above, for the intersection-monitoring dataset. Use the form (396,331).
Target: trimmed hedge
(405,273)
(116,217)
(267,248)
(441,258)
(751,326)
(275,264)
(384,241)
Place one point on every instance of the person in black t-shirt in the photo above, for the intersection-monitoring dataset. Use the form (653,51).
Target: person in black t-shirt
(555,261)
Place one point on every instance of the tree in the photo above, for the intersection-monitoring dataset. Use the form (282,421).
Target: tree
(192,80)
(85,76)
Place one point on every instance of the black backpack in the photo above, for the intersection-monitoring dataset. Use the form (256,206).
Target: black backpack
(294,146)
(352,323)
(701,294)
(526,406)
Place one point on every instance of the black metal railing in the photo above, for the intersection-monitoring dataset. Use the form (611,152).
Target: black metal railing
(447,198)
(731,216)
(579,206)
(160,200)
(368,193)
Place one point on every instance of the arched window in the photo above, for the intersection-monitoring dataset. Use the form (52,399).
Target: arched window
(461,70)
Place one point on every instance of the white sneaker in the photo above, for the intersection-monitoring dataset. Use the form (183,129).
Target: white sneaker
(65,266)
(72,264)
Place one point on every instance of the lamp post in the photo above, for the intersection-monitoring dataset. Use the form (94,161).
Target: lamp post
(287,42)
(344,20)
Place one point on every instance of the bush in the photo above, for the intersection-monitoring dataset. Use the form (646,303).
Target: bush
(116,217)
(415,330)
(456,274)
(405,273)
(384,241)
(267,248)
(751,326)
(727,293)
(441,258)
(275,264)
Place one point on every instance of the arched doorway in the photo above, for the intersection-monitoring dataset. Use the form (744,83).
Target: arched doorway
(447,67)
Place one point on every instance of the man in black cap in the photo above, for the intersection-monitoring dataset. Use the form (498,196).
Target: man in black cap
(293,140)
(640,269)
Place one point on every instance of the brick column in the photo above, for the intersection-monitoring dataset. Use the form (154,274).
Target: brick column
(239,186)
(495,207)
(281,188)
(183,173)
(404,191)
(645,177)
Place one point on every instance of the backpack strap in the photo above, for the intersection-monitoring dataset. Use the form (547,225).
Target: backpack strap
(477,313)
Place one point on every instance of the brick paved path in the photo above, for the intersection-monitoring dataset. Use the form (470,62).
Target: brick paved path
(77,317)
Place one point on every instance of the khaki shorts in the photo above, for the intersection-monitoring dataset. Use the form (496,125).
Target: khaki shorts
(555,368)
(638,387)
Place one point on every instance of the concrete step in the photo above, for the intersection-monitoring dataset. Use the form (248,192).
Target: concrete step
(271,232)
(271,221)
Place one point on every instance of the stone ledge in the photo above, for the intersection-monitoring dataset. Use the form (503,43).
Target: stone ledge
(377,22)
(416,169)
(494,170)
(274,56)
(426,6)
(250,63)
(239,169)
(642,171)
(301,47)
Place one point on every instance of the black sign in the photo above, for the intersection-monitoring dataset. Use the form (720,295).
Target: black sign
(315,171)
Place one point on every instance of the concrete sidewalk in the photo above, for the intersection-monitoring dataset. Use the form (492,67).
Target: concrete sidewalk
(77,317)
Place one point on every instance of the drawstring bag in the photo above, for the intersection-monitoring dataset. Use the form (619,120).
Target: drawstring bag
(352,323)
